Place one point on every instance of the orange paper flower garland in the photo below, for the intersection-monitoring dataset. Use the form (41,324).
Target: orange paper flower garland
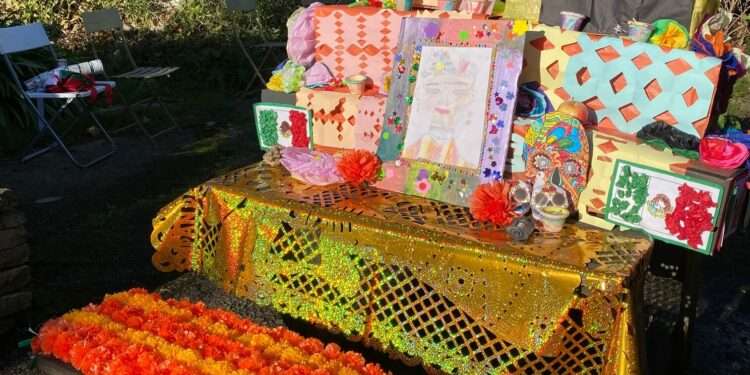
(139,333)
(358,167)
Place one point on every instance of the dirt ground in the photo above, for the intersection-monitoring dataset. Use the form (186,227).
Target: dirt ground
(90,232)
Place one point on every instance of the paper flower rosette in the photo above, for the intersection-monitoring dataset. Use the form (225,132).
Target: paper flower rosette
(137,333)
(311,167)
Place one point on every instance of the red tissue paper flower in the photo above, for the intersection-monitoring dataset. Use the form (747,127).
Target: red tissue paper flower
(299,129)
(722,153)
(359,166)
(690,217)
(491,202)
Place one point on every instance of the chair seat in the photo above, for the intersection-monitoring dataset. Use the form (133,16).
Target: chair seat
(100,87)
(146,72)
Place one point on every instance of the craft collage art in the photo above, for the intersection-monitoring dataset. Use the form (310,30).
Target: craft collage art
(674,208)
(450,107)
(283,124)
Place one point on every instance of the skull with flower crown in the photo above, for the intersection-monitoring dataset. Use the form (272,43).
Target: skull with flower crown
(556,151)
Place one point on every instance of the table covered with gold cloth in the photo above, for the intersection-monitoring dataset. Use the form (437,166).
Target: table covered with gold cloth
(417,278)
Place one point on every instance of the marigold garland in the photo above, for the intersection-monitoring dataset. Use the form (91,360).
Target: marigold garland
(358,167)
(136,332)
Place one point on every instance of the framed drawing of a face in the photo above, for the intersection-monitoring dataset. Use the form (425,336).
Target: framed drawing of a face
(449,110)
(447,114)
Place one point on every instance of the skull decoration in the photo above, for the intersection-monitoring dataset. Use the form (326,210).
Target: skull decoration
(549,204)
(520,195)
(556,147)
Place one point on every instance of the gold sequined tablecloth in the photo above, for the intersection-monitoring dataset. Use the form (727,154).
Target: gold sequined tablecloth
(417,278)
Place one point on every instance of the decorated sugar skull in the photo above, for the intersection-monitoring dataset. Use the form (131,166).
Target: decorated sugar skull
(556,150)
(550,205)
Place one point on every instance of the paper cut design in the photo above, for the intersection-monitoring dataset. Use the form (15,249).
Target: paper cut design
(651,199)
(557,151)
(343,121)
(369,122)
(446,122)
(282,124)
(628,84)
(529,10)
(421,154)
(357,40)
(362,40)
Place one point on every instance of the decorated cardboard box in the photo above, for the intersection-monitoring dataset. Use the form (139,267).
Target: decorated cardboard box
(342,120)
(675,199)
(627,84)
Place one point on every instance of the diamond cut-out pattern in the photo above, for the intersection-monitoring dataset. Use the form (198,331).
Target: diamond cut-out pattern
(667,117)
(690,96)
(572,49)
(642,61)
(608,53)
(652,89)
(618,83)
(629,112)
(679,66)
(583,76)
(355,41)
(542,44)
(629,84)
(553,69)
(608,147)
(594,103)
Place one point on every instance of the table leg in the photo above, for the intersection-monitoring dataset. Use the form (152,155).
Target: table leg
(683,333)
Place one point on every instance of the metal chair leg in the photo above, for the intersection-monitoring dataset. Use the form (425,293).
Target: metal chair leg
(59,142)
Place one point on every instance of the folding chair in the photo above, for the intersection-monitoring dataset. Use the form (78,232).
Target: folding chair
(20,39)
(269,47)
(109,20)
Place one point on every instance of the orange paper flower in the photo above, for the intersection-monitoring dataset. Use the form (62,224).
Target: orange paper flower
(491,202)
(359,166)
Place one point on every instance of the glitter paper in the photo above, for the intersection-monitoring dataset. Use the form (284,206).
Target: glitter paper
(419,279)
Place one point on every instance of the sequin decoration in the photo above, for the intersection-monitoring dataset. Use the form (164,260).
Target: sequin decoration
(416,278)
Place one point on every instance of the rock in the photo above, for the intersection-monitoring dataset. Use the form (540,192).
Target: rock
(14,279)
(14,256)
(15,302)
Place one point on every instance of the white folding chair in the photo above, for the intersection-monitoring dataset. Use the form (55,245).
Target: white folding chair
(109,20)
(269,48)
(20,39)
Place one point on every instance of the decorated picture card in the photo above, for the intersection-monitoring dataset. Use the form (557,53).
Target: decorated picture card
(449,110)
(674,208)
(282,124)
